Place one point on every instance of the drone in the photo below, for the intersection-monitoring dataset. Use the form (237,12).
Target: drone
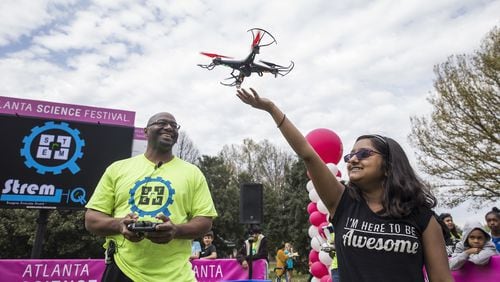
(244,68)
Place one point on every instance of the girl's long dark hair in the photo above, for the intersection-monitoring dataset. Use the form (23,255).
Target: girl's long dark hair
(404,191)
(454,230)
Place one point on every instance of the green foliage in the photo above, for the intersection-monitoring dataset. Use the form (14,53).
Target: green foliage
(226,197)
(460,143)
(65,235)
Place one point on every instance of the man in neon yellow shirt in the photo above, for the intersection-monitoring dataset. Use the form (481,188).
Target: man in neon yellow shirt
(156,187)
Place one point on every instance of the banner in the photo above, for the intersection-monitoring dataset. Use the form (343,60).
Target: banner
(18,270)
(54,154)
(90,270)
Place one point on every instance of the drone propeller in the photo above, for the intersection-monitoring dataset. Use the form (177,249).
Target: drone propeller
(212,55)
(257,39)
(258,35)
(272,65)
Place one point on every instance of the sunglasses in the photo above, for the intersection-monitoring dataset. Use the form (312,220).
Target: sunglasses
(361,154)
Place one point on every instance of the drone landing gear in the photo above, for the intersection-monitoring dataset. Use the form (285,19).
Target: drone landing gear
(238,79)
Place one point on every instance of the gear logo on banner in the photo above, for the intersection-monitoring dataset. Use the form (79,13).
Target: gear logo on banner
(52,148)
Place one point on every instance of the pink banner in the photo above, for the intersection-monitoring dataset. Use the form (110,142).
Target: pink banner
(480,273)
(227,269)
(90,270)
(139,134)
(60,111)
(33,270)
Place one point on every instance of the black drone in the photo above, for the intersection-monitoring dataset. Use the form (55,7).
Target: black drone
(244,68)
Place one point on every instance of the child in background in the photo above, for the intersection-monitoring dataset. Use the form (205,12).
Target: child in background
(475,247)
(493,221)
(208,251)
(290,260)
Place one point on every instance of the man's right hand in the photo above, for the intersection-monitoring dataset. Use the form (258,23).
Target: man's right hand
(130,235)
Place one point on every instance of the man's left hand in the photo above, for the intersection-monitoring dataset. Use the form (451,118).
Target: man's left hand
(165,232)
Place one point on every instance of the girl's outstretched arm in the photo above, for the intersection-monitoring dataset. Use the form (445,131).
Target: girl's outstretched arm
(326,184)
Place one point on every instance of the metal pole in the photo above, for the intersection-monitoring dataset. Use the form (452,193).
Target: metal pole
(43,215)
(250,259)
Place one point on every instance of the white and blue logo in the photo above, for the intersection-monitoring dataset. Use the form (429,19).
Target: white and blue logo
(52,148)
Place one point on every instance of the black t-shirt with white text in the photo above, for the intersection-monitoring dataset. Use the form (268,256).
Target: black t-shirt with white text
(375,248)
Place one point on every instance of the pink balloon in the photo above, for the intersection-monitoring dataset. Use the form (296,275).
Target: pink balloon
(339,174)
(313,256)
(318,269)
(321,231)
(327,144)
(326,278)
(311,207)
(316,218)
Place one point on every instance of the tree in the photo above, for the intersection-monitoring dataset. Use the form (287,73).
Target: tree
(65,236)
(224,194)
(460,143)
(258,162)
(185,148)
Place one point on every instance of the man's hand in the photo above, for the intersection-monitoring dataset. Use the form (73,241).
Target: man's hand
(130,235)
(165,231)
(244,264)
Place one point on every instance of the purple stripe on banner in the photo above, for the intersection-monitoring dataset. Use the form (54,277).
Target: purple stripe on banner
(139,134)
(60,111)
(90,270)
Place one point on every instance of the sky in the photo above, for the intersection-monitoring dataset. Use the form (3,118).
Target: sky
(361,66)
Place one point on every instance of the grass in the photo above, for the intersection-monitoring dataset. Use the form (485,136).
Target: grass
(297,277)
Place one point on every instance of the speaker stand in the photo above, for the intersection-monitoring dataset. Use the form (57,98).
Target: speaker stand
(250,259)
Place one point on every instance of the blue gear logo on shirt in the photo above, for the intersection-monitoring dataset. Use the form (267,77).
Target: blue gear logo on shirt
(49,148)
(151,196)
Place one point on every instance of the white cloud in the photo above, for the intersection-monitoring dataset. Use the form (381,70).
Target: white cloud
(361,66)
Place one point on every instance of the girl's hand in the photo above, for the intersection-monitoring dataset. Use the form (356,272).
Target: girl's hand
(253,99)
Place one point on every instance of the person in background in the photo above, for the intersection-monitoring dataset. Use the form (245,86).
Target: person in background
(209,251)
(281,259)
(334,266)
(195,250)
(384,202)
(475,247)
(451,233)
(290,261)
(493,221)
(157,187)
(257,242)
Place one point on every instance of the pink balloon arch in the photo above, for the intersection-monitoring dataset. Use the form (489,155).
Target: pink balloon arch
(328,146)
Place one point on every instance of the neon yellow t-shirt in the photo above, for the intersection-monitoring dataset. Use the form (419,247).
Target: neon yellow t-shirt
(177,189)
(334,264)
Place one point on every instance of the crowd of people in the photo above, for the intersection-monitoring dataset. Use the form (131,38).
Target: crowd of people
(383,194)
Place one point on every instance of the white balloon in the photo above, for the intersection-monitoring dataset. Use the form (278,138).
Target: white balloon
(321,207)
(325,259)
(316,244)
(333,168)
(309,186)
(339,178)
(315,279)
(313,231)
(313,196)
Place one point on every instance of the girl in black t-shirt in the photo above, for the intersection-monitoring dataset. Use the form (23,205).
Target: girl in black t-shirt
(385,229)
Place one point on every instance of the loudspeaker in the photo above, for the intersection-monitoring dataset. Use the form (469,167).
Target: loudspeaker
(251,203)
